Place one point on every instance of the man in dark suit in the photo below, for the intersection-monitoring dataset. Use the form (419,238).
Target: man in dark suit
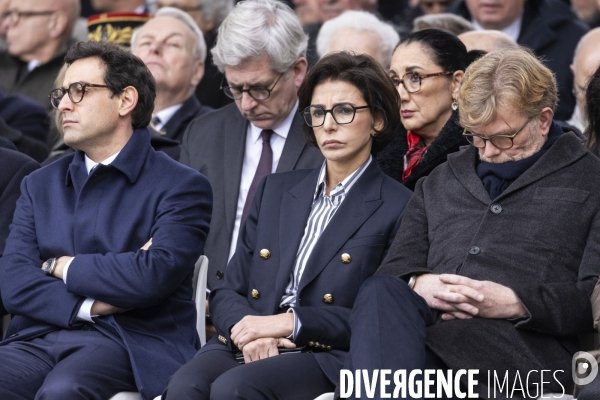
(548,27)
(37,34)
(26,124)
(173,48)
(226,145)
(497,254)
(14,166)
(110,309)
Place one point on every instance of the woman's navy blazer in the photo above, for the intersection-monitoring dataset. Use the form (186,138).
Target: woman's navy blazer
(363,227)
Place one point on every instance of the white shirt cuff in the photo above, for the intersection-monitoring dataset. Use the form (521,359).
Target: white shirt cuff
(66,269)
(85,311)
(297,325)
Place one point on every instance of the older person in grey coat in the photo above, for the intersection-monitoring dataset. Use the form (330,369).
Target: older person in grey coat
(499,248)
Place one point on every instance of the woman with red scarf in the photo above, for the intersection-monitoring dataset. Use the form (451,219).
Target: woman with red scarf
(427,68)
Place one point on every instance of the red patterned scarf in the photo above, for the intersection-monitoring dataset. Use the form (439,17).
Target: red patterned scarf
(416,149)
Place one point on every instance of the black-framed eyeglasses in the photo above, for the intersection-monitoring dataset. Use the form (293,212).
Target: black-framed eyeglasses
(180,7)
(14,16)
(412,80)
(76,91)
(502,142)
(256,92)
(342,113)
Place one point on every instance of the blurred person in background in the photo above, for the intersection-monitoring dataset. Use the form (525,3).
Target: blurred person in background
(587,11)
(487,41)
(592,110)
(172,47)
(38,34)
(114,6)
(453,24)
(208,14)
(548,27)
(427,69)
(307,11)
(359,32)
(585,63)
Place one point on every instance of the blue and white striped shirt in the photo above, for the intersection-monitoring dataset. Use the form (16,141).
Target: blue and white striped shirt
(323,209)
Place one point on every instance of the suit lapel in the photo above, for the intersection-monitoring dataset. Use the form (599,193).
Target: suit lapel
(463,166)
(182,116)
(295,210)
(294,144)
(362,201)
(235,146)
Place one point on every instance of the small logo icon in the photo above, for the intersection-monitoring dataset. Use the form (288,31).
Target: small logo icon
(585,368)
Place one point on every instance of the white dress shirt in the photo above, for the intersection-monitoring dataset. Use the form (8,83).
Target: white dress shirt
(165,115)
(85,311)
(513,30)
(251,159)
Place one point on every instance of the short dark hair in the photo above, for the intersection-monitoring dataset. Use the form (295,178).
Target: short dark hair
(592,100)
(122,69)
(369,77)
(447,51)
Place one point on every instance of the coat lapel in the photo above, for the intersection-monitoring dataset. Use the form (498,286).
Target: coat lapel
(362,201)
(294,144)
(183,116)
(565,151)
(463,167)
(235,145)
(295,210)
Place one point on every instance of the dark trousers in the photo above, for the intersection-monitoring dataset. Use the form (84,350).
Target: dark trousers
(215,374)
(65,364)
(388,323)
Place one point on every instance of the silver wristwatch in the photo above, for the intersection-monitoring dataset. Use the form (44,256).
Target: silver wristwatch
(49,266)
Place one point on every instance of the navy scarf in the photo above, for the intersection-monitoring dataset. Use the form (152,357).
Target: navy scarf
(497,177)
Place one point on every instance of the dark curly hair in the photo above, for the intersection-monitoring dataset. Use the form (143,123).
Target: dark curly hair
(123,69)
(369,77)
(592,100)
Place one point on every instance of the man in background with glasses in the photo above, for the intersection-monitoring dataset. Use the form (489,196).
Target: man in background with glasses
(97,270)
(261,49)
(37,34)
(497,255)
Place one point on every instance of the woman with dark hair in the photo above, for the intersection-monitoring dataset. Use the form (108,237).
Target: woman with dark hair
(592,101)
(427,68)
(310,240)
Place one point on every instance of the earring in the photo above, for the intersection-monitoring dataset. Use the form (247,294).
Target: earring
(454,105)
(374,134)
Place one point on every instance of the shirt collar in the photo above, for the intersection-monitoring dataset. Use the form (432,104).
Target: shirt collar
(282,129)
(166,114)
(33,64)
(513,30)
(90,164)
(344,186)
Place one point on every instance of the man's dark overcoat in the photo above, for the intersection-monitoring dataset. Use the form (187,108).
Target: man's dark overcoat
(103,219)
(540,237)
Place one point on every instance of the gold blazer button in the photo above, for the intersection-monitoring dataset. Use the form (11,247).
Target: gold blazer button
(265,254)
(255,293)
(346,258)
(328,298)
(222,339)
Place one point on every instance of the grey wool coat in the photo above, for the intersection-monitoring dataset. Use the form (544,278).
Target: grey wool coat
(540,237)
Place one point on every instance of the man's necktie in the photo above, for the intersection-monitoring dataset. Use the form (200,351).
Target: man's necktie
(264,168)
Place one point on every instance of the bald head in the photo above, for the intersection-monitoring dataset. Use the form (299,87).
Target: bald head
(487,41)
(39,37)
(585,63)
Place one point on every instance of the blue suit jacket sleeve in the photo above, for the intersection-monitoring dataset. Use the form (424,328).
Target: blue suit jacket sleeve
(25,288)
(144,278)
